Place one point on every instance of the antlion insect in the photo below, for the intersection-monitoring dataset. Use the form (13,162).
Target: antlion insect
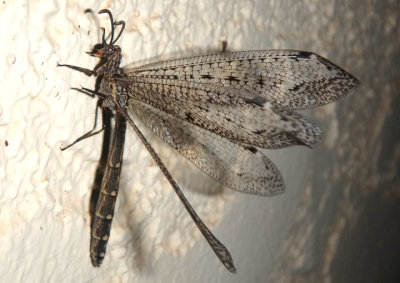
(216,110)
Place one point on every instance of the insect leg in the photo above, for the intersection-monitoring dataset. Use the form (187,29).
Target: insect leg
(87,72)
(90,133)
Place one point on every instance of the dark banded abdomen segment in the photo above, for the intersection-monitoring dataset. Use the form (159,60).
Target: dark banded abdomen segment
(108,194)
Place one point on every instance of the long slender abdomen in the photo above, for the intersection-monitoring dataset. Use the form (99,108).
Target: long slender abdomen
(108,194)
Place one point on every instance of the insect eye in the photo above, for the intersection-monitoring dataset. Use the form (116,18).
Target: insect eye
(109,50)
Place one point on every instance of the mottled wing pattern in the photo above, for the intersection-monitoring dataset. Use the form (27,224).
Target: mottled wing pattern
(234,114)
(216,109)
(240,167)
(291,79)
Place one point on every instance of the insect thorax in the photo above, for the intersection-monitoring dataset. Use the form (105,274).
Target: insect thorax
(115,93)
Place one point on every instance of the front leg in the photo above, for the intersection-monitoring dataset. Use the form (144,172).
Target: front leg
(87,72)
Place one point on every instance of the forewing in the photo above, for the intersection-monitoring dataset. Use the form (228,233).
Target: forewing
(231,113)
(239,167)
(291,79)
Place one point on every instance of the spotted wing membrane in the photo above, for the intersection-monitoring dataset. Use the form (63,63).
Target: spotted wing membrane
(234,114)
(216,109)
(290,79)
(240,167)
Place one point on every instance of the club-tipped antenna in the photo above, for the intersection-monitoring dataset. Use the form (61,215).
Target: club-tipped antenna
(112,25)
(103,31)
(120,32)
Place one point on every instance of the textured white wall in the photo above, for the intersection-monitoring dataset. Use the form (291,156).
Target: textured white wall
(44,195)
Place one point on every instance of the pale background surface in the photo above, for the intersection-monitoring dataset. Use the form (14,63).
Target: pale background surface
(337,221)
